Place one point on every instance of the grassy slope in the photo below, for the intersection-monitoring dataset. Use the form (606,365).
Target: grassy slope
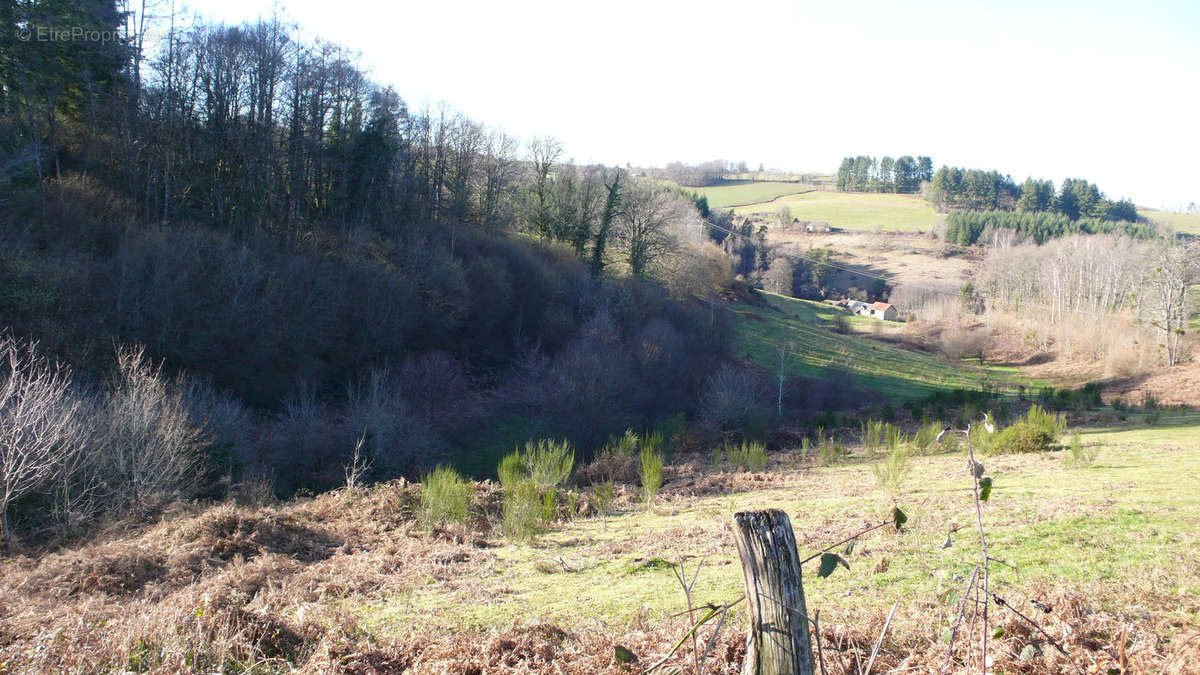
(897,374)
(735,193)
(855,210)
(1117,536)
(1187,223)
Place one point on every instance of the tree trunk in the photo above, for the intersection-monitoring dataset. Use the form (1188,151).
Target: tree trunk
(779,642)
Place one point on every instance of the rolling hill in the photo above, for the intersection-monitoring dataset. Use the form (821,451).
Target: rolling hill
(816,351)
(853,210)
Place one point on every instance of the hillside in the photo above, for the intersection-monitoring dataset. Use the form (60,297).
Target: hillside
(739,193)
(1183,223)
(347,582)
(881,372)
(853,210)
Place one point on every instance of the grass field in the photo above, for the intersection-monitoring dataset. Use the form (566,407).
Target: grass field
(855,210)
(1113,542)
(736,193)
(1185,223)
(348,582)
(898,374)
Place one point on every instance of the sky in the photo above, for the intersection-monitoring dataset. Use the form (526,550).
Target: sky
(1107,91)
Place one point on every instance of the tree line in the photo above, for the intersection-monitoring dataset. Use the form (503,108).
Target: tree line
(955,188)
(902,175)
(966,227)
(249,128)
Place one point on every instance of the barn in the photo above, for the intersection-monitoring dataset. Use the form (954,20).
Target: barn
(885,311)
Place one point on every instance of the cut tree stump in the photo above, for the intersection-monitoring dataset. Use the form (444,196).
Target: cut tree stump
(779,642)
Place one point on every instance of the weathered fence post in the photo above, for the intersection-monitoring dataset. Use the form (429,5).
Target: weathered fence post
(779,641)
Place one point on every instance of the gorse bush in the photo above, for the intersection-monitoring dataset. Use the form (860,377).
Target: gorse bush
(751,456)
(1021,437)
(652,474)
(445,498)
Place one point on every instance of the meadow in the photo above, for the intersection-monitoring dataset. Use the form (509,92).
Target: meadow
(854,210)
(1183,223)
(814,350)
(738,193)
(349,582)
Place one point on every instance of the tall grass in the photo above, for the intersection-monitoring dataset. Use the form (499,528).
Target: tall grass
(445,498)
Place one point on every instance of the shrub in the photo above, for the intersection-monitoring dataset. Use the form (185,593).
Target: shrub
(549,463)
(512,470)
(752,456)
(733,400)
(891,470)
(624,445)
(1053,424)
(38,416)
(1021,437)
(893,436)
(445,497)
(652,474)
(1079,455)
(831,451)
(148,437)
(603,496)
(925,439)
(522,510)
(531,480)
(872,433)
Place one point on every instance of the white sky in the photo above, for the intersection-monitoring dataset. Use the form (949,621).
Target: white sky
(1102,90)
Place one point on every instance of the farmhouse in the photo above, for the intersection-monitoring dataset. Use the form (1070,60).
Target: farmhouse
(884,310)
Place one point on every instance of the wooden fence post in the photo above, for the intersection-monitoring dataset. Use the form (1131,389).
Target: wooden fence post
(779,641)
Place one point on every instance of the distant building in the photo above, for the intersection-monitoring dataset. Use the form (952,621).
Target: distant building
(884,310)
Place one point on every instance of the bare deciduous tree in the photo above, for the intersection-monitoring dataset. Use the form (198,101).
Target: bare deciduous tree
(649,226)
(37,409)
(1173,270)
(149,441)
